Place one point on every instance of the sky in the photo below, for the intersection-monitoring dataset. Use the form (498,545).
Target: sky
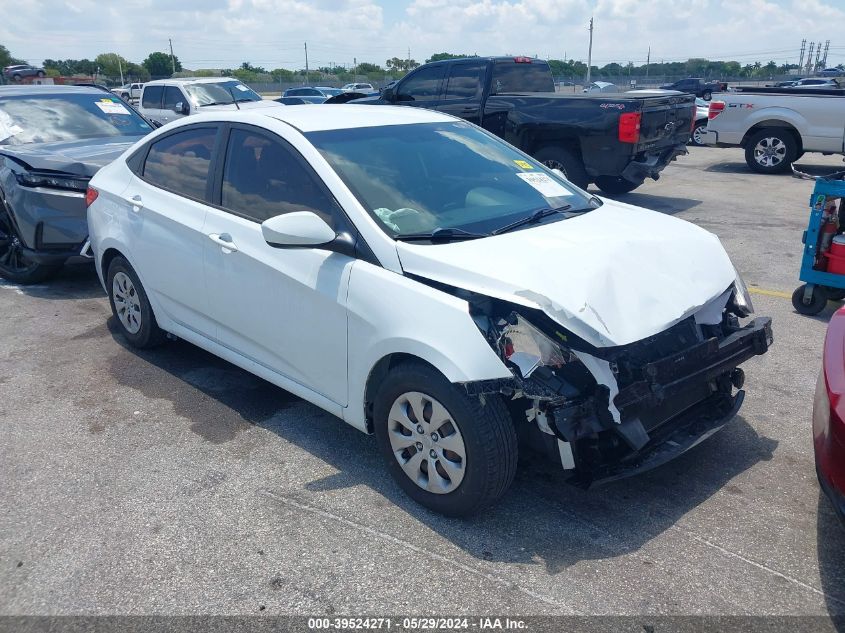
(272,33)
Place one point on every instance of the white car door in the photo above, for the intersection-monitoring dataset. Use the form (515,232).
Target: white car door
(283,308)
(167,200)
(173,96)
(151,103)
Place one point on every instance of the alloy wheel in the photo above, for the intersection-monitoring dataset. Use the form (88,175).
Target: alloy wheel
(770,151)
(12,257)
(698,134)
(126,302)
(426,442)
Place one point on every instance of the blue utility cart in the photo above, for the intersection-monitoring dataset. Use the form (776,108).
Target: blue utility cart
(820,283)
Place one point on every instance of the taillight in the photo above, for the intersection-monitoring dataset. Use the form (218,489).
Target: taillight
(715,110)
(629,127)
(522,60)
(90,195)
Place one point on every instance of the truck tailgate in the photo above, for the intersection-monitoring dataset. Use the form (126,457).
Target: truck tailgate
(666,121)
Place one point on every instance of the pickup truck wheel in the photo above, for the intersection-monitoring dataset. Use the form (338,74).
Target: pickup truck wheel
(450,452)
(771,151)
(615,185)
(14,265)
(556,157)
(697,136)
(131,307)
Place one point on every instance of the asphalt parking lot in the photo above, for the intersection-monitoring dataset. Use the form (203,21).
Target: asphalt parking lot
(170,482)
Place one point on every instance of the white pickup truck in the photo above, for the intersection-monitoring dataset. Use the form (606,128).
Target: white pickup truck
(776,126)
(129,92)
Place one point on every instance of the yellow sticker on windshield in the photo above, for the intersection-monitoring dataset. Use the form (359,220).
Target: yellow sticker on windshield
(523,163)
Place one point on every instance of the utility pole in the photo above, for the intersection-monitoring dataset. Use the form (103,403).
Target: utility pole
(354,69)
(647,61)
(810,57)
(120,68)
(818,54)
(409,59)
(801,56)
(824,56)
(306,62)
(590,53)
(172,59)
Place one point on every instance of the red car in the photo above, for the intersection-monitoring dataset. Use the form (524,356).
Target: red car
(829,415)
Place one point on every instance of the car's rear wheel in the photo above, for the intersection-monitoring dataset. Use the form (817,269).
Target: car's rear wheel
(450,452)
(771,151)
(15,266)
(557,157)
(697,136)
(615,185)
(41,74)
(707,95)
(131,306)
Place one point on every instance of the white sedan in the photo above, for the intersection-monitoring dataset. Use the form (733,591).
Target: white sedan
(425,281)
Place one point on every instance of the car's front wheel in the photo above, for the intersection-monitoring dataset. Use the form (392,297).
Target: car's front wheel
(15,266)
(131,306)
(449,451)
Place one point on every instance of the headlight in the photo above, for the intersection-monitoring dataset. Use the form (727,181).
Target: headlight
(528,348)
(741,298)
(54,182)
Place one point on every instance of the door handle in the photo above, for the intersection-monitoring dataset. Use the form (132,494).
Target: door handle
(136,201)
(224,241)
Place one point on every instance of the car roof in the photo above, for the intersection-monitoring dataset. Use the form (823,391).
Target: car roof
(331,117)
(13,91)
(190,80)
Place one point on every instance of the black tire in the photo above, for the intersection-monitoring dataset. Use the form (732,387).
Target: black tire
(14,264)
(486,427)
(772,138)
(149,334)
(41,74)
(16,77)
(818,301)
(557,157)
(707,95)
(615,185)
(695,137)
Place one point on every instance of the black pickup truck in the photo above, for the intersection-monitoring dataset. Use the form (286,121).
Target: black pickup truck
(697,86)
(613,140)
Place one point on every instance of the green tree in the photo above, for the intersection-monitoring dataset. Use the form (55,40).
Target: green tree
(404,65)
(441,56)
(159,65)
(365,68)
(6,58)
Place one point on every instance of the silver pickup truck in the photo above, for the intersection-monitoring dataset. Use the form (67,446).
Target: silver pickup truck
(775,126)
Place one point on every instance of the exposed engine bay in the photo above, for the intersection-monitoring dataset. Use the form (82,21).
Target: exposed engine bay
(606,413)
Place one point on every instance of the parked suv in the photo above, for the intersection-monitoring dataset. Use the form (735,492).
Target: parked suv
(129,92)
(171,99)
(52,140)
(19,71)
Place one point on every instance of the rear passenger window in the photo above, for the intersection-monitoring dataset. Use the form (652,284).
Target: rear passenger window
(152,97)
(172,96)
(465,81)
(180,162)
(264,177)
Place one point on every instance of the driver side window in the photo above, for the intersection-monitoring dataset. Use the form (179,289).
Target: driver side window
(423,85)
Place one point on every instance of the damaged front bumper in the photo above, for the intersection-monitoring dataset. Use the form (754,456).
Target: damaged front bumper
(659,408)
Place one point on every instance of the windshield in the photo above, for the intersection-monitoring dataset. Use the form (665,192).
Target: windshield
(331,92)
(417,178)
(220,92)
(66,117)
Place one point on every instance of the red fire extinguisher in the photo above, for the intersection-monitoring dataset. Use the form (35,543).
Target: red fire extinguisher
(829,227)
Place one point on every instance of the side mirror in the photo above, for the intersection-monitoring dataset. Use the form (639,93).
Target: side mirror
(299,228)
(182,108)
(388,95)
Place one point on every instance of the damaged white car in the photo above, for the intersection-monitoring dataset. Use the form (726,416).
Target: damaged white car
(427,282)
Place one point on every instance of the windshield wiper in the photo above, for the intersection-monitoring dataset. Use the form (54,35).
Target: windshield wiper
(202,105)
(538,215)
(441,233)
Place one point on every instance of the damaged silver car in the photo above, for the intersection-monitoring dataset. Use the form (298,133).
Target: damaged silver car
(52,140)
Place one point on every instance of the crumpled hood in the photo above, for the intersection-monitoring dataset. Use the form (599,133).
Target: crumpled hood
(612,276)
(83,157)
